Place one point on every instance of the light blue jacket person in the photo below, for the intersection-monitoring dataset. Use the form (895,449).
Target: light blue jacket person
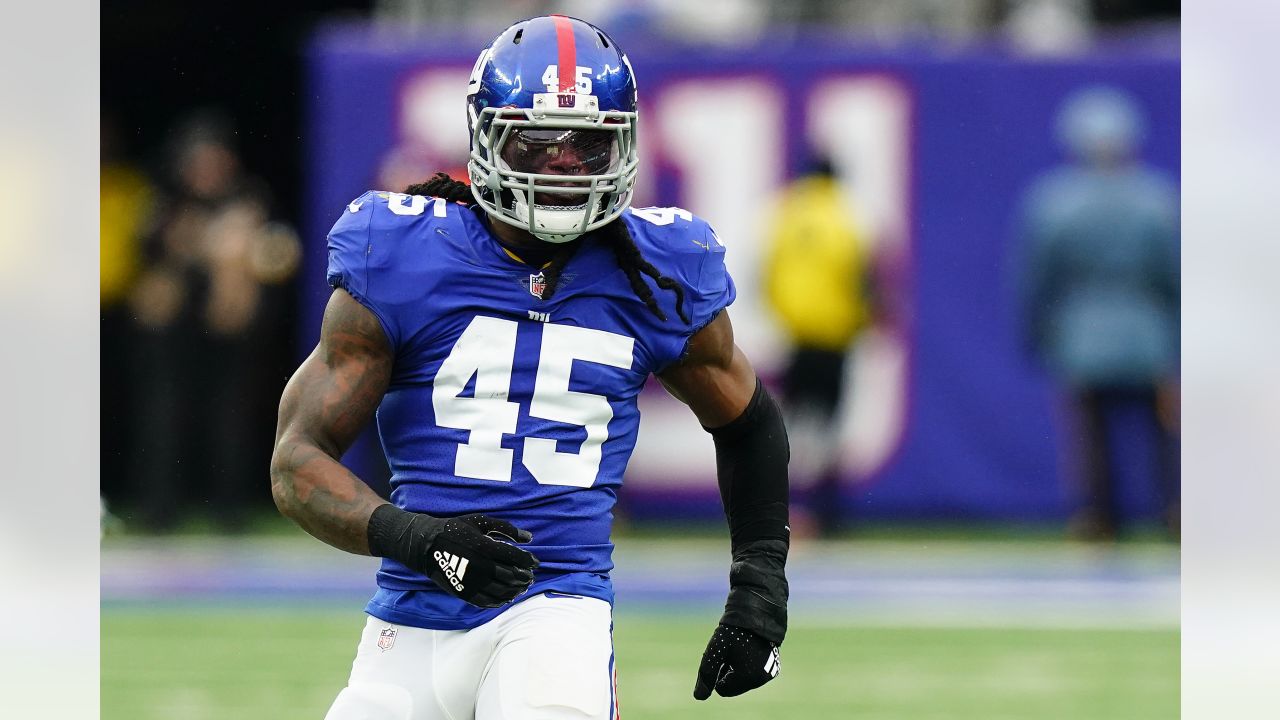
(1100,282)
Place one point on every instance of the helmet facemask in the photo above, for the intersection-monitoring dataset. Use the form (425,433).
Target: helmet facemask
(556,172)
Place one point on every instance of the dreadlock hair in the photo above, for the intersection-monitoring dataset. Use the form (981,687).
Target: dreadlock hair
(615,234)
(442,186)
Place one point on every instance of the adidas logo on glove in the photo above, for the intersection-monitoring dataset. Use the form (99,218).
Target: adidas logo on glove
(773,663)
(454,567)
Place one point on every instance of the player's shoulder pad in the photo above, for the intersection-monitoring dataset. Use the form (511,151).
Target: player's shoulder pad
(388,211)
(684,247)
(378,226)
(381,248)
(677,242)
(672,231)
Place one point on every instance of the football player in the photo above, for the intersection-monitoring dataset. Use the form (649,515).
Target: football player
(501,333)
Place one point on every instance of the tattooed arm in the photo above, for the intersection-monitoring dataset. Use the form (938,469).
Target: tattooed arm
(326,404)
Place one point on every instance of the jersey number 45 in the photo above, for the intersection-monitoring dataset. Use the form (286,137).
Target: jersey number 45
(486,350)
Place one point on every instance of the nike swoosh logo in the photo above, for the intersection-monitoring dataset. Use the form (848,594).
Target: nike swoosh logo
(354,206)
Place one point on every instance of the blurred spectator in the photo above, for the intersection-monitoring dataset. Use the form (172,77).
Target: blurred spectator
(1048,27)
(1100,294)
(126,200)
(816,282)
(213,331)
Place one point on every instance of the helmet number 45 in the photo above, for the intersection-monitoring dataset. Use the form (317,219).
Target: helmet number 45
(582,79)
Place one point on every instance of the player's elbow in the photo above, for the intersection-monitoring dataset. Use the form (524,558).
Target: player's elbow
(281,492)
(284,489)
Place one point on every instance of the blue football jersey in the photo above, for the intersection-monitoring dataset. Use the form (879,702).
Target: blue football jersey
(506,404)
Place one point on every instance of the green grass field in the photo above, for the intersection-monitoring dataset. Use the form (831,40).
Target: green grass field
(198,662)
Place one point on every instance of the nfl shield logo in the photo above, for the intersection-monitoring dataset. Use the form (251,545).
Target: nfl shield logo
(386,639)
(537,285)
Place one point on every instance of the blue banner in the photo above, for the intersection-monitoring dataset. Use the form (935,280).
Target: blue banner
(949,417)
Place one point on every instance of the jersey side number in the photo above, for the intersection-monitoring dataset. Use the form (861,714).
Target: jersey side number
(486,350)
(662,215)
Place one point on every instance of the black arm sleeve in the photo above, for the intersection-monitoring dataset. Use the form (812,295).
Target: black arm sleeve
(751,466)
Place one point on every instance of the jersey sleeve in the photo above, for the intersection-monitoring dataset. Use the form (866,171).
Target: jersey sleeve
(686,249)
(350,250)
(713,289)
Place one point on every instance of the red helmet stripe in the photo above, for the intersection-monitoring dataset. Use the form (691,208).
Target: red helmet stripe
(568,59)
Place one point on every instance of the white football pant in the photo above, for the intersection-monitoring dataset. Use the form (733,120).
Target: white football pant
(546,658)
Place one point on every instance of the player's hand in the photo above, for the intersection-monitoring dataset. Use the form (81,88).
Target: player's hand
(743,652)
(735,661)
(469,557)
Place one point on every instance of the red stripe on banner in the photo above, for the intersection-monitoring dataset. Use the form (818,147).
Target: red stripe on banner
(568,59)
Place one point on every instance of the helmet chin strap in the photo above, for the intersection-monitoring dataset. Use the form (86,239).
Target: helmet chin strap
(555,239)
(553,226)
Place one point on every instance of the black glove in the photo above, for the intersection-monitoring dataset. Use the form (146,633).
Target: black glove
(743,652)
(458,553)
(735,661)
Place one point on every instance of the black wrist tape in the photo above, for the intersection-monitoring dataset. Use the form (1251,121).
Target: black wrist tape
(751,467)
(758,590)
(397,534)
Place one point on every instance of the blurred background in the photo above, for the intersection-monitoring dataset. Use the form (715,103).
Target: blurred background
(954,229)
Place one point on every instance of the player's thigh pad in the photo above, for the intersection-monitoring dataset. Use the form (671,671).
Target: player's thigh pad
(409,673)
(553,662)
